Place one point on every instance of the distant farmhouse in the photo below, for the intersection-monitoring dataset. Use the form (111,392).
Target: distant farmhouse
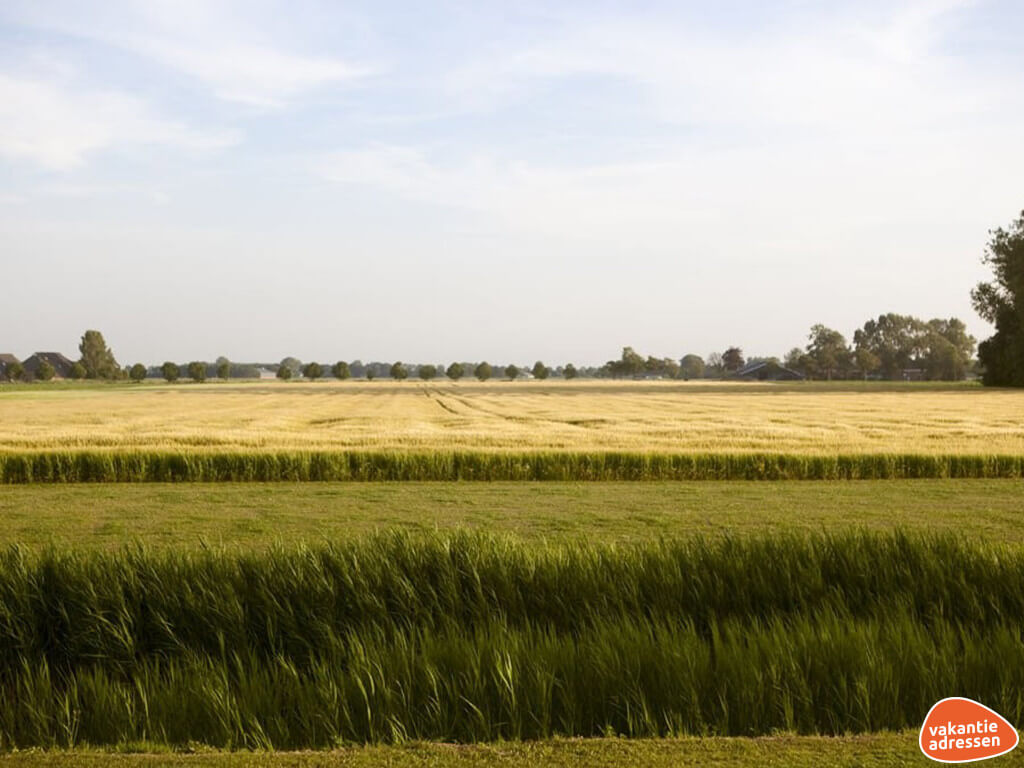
(767,370)
(61,365)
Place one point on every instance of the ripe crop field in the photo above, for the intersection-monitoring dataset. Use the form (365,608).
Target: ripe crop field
(665,417)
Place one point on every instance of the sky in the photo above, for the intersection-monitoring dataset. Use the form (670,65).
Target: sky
(492,180)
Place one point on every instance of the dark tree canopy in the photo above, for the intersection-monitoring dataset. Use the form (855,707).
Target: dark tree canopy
(341,370)
(197,371)
(77,371)
(170,371)
(732,359)
(512,372)
(455,371)
(483,371)
(1001,302)
(284,373)
(97,359)
(137,372)
(399,371)
(223,368)
(570,371)
(540,371)
(427,372)
(313,371)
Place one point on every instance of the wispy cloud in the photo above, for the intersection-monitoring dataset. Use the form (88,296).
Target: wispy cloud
(217,44)
(58,126)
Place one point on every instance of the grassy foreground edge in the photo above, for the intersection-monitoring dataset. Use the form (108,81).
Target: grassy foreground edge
(879,750)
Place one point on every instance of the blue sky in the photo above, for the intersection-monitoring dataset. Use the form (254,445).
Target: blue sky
(512,181)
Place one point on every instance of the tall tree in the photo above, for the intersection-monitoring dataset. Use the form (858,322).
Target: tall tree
(570,371)
(540,371)
(691,367)
(97,359)
(223,368)
(399,372)
(828,349)
(483,371)
(197,371)
(512,372)
(894,339)
(1001,302)
(732,359)
(341,370)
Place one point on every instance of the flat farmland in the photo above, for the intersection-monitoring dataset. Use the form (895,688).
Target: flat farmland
(259,515)
(591,416)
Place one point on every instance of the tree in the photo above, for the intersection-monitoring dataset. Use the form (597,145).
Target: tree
(947,349)
(313,371)
(714,366)
(540,371)
(570,371)
(170,371)
(670,368)
(691,367)
(45,371)
(97,359)
(732,359)
(341,370)
(867,362)
(1001,302)
(284,372)
(399,372)
(137,372)
(371,374)
(483,371)
(77,371)
(455,371)
(512,372)
(223,368)
(15,371)
(894,339)
(293,364)
(828,349)
(197,371)
(427,372)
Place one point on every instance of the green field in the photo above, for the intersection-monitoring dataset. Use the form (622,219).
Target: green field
(258,514)
(472,638)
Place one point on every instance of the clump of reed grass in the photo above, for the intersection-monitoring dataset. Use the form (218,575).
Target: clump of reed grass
(473,637)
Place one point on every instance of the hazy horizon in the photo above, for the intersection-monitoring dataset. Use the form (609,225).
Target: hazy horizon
(485,181)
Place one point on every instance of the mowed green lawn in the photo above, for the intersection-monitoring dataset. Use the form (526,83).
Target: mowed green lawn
(257,514)
(875,751)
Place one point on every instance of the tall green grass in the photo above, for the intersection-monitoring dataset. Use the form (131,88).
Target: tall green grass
(471,637)
(273,466)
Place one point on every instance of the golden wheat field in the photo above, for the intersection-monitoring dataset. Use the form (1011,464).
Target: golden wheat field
(584,416)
